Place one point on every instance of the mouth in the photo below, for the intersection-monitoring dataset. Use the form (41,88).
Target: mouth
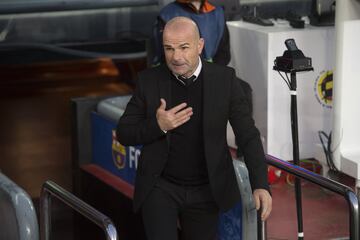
(178,67)
(178,64)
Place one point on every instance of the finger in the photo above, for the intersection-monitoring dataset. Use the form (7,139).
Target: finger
(184,112)
(162,104)
(267,207)
(177,108)
(182,120)
(263,211)
(257,201)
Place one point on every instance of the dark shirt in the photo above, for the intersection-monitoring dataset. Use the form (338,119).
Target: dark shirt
(186,163)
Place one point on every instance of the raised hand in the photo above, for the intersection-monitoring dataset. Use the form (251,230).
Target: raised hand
(174,117)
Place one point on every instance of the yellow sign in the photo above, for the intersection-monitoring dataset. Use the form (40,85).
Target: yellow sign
(118,152)
(324,88)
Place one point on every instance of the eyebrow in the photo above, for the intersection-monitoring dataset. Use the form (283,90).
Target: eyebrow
(181,45)
(184,44)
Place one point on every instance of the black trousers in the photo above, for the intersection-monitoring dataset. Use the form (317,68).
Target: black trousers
(170,205)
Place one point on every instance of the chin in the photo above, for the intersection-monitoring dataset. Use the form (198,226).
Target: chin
(178,72)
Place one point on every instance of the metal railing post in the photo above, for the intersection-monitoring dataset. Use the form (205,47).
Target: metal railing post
(353,203)
(52,189)
(261,228)
(45,215)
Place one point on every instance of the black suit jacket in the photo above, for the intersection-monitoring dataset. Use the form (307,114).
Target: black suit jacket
(224,100)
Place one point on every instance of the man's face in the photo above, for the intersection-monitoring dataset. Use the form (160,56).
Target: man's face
(182,48)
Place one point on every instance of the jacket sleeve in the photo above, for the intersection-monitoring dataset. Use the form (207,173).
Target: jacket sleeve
(222,55)
(247,136)
(136,126)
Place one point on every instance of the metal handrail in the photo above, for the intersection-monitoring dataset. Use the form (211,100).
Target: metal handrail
(49,189)
(345,191)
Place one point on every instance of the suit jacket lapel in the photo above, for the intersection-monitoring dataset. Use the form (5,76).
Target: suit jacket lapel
(209,98)
(209,94)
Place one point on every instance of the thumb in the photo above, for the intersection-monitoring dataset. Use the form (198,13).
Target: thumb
(162,104)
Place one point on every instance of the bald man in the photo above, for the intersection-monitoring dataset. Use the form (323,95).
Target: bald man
(179,113)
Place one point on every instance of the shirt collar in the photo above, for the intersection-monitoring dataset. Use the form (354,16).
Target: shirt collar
(196,72)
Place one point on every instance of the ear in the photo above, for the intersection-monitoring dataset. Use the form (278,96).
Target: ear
(200,45)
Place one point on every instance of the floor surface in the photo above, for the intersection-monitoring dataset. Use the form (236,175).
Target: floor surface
(325,214)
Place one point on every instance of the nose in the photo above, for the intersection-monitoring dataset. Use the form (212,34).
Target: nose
(177,55)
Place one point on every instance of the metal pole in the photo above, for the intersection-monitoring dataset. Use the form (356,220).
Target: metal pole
(295,140)
(45,215)
(261,227)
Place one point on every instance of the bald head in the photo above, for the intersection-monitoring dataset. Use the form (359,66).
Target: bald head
(183,25)
(182,46)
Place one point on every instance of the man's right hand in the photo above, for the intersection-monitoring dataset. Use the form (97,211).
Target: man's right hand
(174,117)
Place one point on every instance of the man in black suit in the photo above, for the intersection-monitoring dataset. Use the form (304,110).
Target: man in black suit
(179,113)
